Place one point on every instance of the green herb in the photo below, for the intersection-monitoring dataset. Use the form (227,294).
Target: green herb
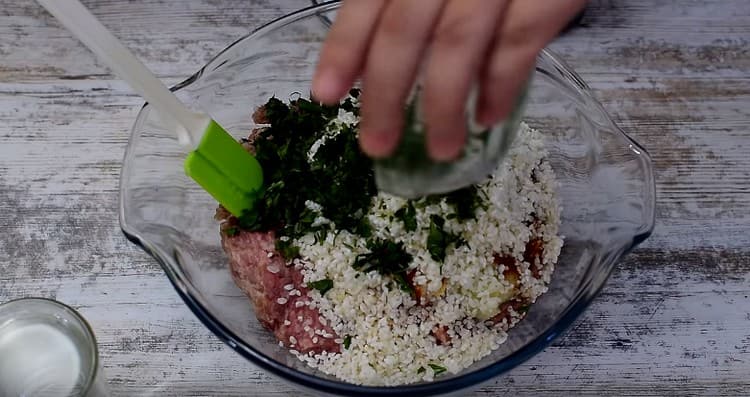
(287,249)
(438,240)
(387,258)
(347,342)
(432,200)
(346,180)
(437,369)
(364,228)
(231,231)
(465,202)
(340,178)
(320,235)
(348,104)
(523,309)
(421,370)
(408,215)
(403,283)
(322,286)
(249,219)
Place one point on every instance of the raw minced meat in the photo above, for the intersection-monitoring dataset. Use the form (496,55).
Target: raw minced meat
(278,293)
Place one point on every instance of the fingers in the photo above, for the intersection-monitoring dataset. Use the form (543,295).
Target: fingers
(459,46)
(345,48)
(391,67)
(528,25)
(492,42)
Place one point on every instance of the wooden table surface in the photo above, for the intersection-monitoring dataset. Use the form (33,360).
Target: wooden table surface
(674,318)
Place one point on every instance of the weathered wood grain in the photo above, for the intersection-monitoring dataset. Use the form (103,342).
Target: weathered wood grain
(673,320)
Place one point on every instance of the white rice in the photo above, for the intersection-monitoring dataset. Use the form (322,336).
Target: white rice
(390,335)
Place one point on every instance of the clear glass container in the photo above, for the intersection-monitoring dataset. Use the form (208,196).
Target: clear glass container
(47,349)
(411,173)
(606,190)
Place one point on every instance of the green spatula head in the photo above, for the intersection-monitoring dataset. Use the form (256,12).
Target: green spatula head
(225,170)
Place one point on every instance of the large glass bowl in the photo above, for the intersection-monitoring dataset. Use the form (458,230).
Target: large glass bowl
(606,190)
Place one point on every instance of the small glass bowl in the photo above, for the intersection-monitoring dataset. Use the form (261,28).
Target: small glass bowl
(606,190)
(47,348)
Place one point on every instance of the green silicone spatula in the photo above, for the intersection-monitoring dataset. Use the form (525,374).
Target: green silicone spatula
(216,161)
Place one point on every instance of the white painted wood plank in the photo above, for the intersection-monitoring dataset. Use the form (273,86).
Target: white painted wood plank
(673,320)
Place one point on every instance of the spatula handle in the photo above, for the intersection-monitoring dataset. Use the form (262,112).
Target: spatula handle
(188,125)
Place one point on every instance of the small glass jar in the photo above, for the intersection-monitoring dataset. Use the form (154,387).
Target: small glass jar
(47,349)
(411,173)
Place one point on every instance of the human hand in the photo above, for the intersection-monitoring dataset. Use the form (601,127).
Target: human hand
(492,43)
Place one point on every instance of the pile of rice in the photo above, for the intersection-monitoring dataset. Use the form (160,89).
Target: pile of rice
(391,337)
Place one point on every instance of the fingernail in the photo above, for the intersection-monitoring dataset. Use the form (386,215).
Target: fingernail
(377,144)
(326,86)
(445,147)
(487,118)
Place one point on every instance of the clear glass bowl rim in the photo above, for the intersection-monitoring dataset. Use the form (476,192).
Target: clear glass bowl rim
(464,381)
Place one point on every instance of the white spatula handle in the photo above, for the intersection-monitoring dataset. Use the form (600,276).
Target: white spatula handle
(188,125)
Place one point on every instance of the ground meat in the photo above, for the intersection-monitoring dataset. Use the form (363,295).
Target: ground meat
(533,255)
(249,142)
(419,292)
(222,215)
(504,260)
(278,292)
(260,117)
(510,267)
(510,311)
(440,333)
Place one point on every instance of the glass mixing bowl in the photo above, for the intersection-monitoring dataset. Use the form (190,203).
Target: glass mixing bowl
(606,190)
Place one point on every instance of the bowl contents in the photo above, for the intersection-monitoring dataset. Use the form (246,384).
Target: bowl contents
(377,289)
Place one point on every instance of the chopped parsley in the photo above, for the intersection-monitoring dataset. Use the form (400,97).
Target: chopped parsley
(403,283)
(387,258)
(322,286)
(320,235)
(465,202)
(438,240)
(364,228)
(408,215)
(437,369)
(340,178)
(231,231)
(348,104)
(287,249)
(347,342)
(421,370)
